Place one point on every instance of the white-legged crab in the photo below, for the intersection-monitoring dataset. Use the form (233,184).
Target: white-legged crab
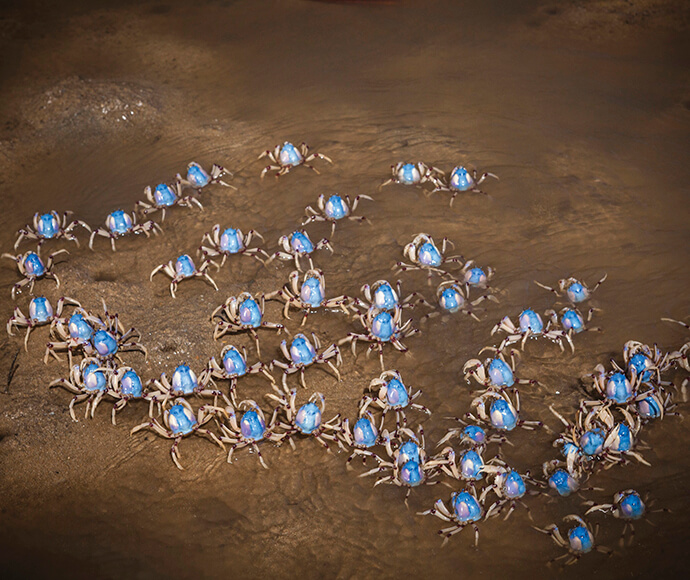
(40,313)
(198,177)
(180,421)
(529,325)
(462,180)
(163,197)
(88,381)
(50,226)
(298,245)
(466,509)
(124,385)
(302,353)
(184,382)
(184,268)
(234,367)
(119,223)
(250,430)
(309,296)
(452,298)
(286,157)
(575,290)
(414,174)
(425,255)
(381,326)
(496,372)
(240,313)
(230,242)
(580,539)
(333,209)
(383,296)
(32,267)
(500,411)
(391,394)
(308,419)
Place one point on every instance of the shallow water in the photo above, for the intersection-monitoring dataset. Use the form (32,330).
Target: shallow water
(583,113)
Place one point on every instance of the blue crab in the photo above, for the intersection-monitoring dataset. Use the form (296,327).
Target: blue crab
(496,372)
(381,327)
(184,382)
(452,298)
(333,209)
(580,539)
(251,430)
(390,394)
(230,242)
(529,325)
(575,290)
(242,313)
(383,296)
(617,387)
(469,467)
(286,157)
(41,313)
(308,419)
(361,437)
(475,277)
(180,421)
(466,509)
(648,362)
(461,180)
(164,197)
(558,478)
(509,487)
(414,174)
(298,245)
(302,353)
(88,381)
(32,267)
(409,464)
(198,177)
(627,505)
(309,296)
(425,255)
(473,436)
(184,269)
(119,223)
(125,385)
(503,414)
(50,226)
(571,321)
(234,367)
(71,334)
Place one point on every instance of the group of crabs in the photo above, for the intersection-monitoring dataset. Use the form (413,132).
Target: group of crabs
(604,432)
(607,423)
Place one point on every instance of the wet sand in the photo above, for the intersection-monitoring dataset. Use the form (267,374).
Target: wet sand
(581,108)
